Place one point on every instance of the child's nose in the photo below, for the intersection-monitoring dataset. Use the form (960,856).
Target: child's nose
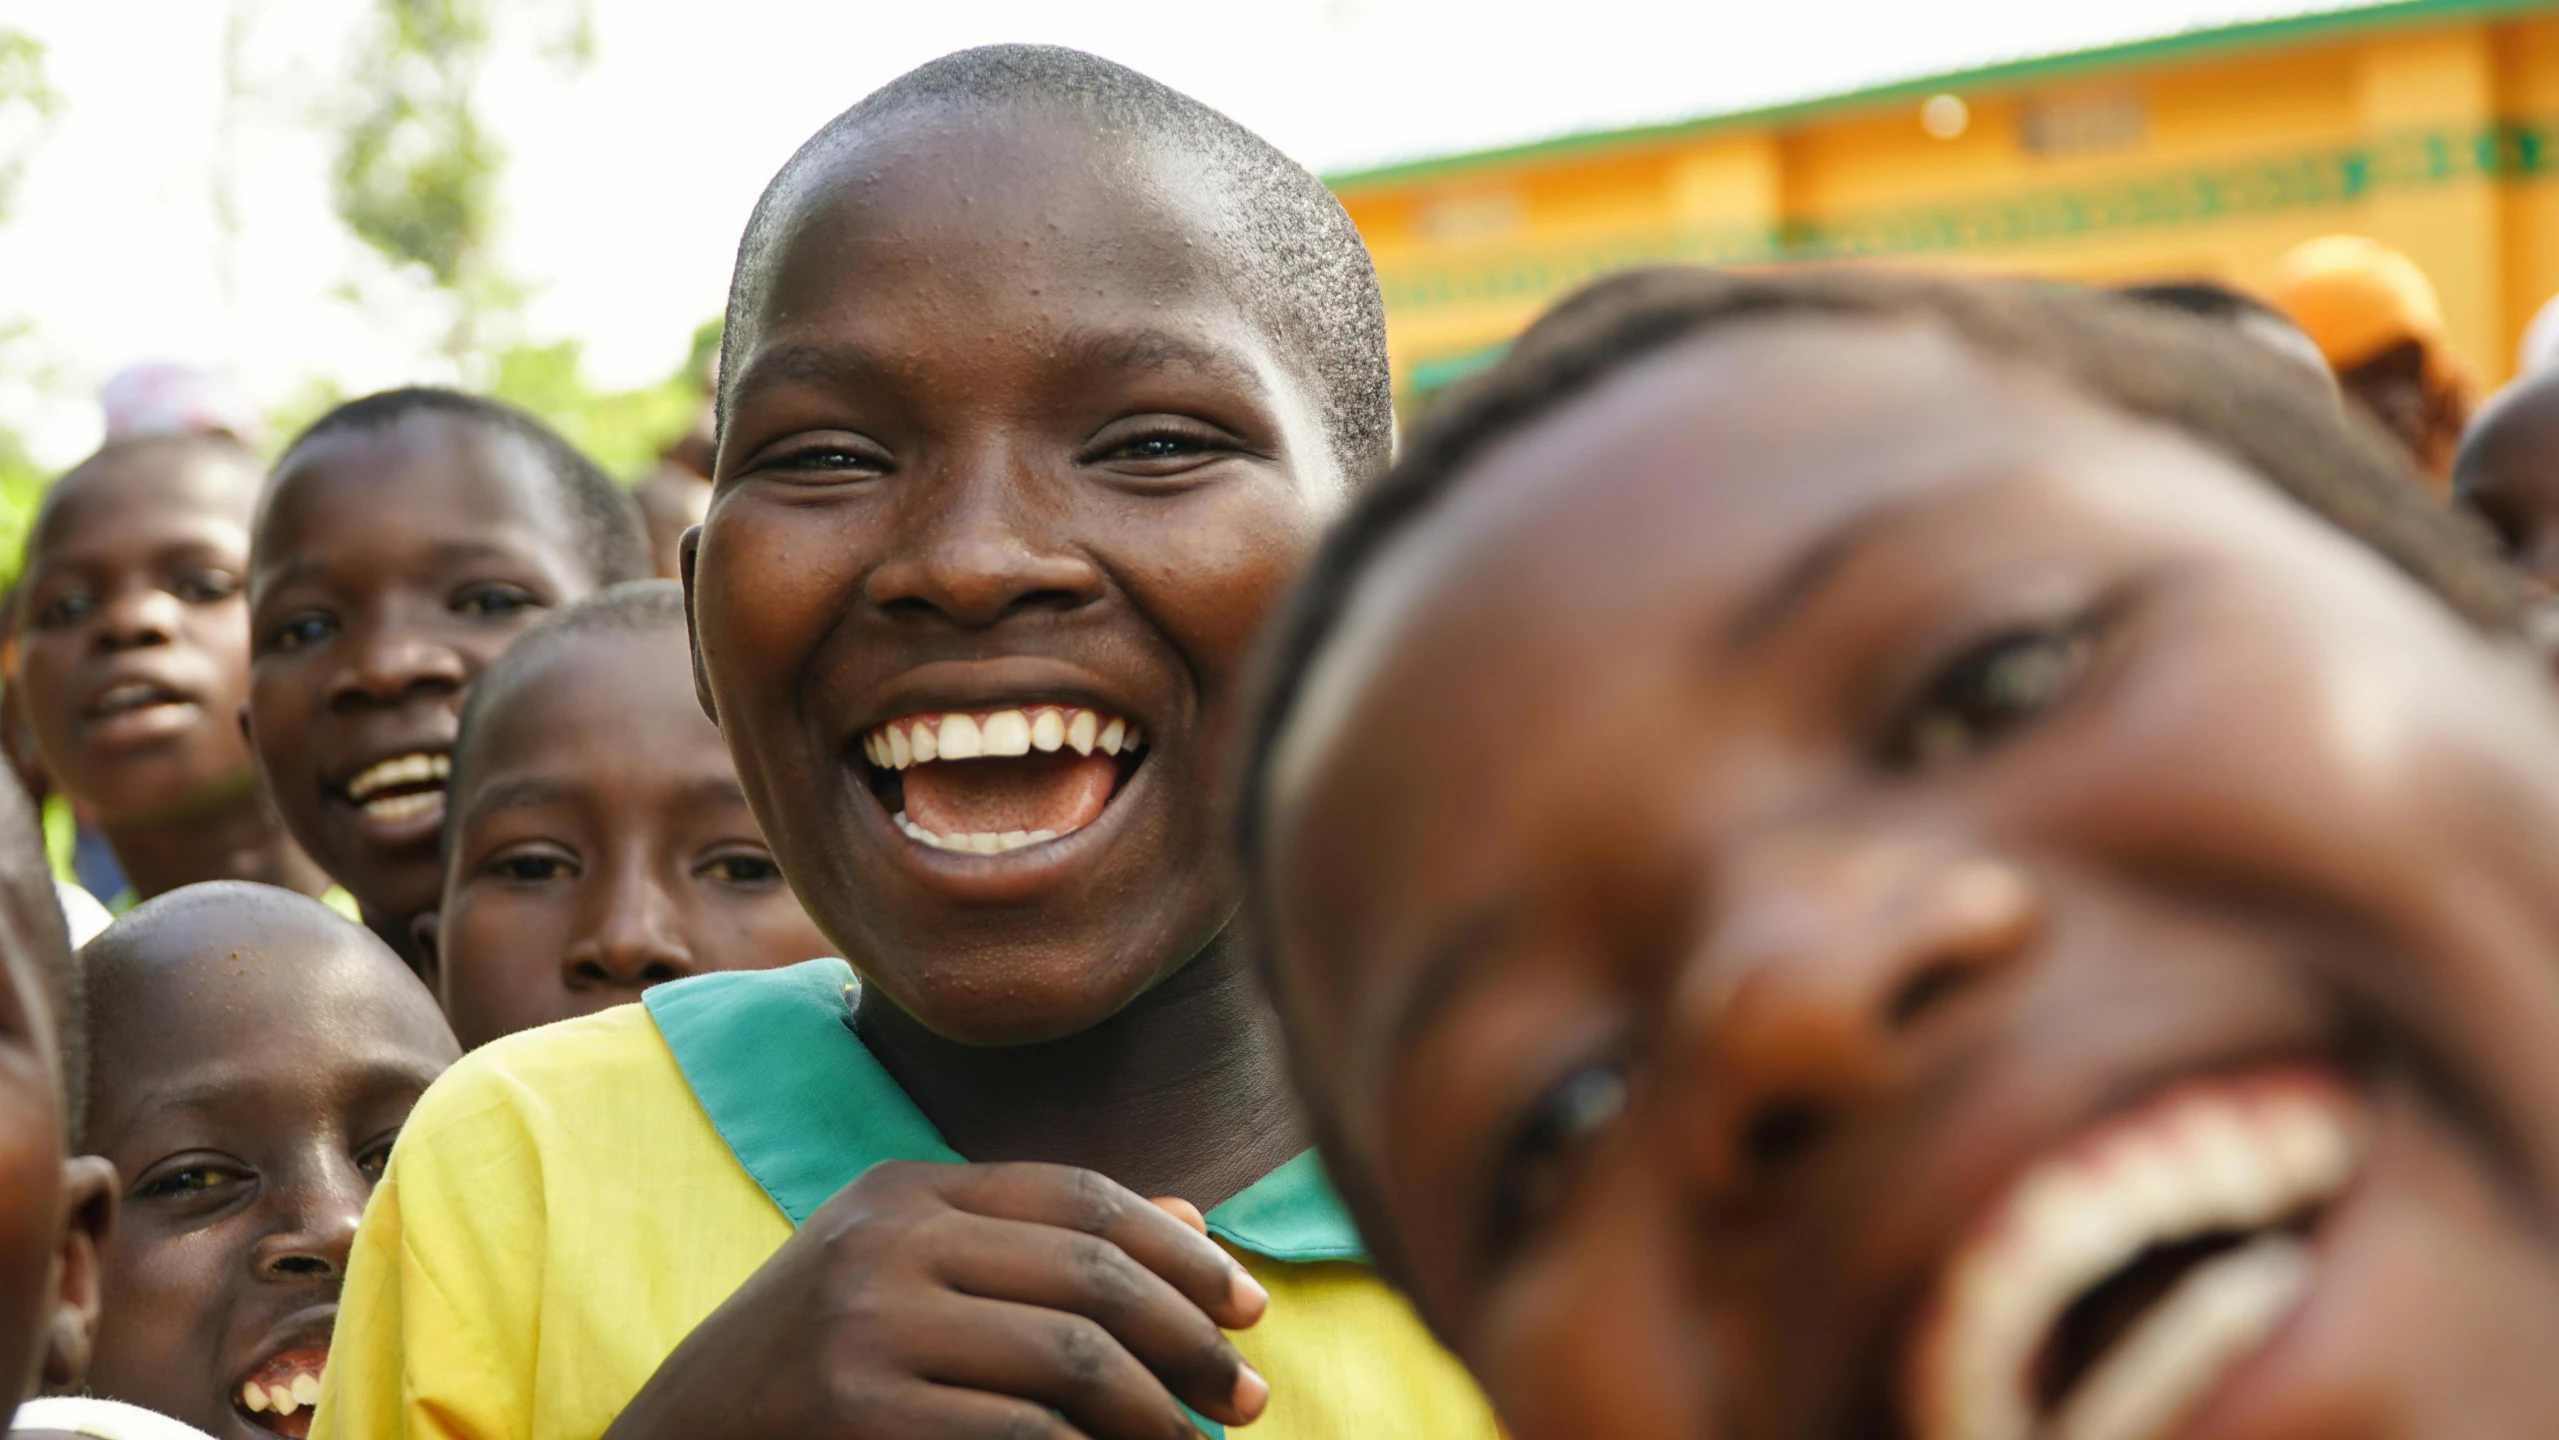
(1830,960)
(978,551)
(138,616)
(319,1226)
(633,939)
(389,661)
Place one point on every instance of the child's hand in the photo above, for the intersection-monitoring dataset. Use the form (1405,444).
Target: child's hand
(945,1302)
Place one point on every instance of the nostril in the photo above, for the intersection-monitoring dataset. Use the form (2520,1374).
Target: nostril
(589,972)
(1781,1130)
(658,972)
(302,1265)
(1925,989)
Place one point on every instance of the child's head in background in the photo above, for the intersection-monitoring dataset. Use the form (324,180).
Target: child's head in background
(251,1055)
(56,1206)
(1040,381)
(133,619)
(1850,855)
(2507,473)
(404,540)
(597,841)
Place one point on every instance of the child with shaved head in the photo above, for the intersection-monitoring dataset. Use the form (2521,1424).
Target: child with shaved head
(252,1053)
(1040,380)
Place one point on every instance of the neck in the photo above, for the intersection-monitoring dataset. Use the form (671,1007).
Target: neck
(231,834)
(1184,1092)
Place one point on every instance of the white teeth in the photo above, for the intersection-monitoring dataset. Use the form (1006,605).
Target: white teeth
(284,1400)
(961,739)
(399,770)
(306,1388)
(404,807)
(254,1396)
(902,744)
(977,844)
(2245,1156)
(2219,1313)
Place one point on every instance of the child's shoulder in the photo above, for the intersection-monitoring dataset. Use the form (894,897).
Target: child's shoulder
(571,1077)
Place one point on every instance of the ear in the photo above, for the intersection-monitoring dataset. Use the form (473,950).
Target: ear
(423,928)
(247,734)
(688,552)
(89,1188)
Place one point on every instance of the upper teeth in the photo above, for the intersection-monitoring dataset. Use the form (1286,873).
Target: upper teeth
(282,1399)
(399,770)
(2237,1156)
(919,738)
(131,695)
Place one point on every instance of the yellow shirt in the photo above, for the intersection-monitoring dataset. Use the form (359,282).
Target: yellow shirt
(563,1208)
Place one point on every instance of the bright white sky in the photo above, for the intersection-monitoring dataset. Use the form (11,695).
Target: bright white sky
(630,179)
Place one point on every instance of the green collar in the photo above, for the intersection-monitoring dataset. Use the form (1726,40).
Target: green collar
(806,1107)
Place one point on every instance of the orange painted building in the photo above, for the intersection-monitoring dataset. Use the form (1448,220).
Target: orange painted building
(2432,125)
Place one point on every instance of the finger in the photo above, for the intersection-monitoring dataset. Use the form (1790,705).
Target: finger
(1073,1199)
(1060,1360)
(1066,1270)
(1180,1209)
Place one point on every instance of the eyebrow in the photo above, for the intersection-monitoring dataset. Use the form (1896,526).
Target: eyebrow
(1774,605)
(523,794)
(850,364)
(1452,967)
(446,553)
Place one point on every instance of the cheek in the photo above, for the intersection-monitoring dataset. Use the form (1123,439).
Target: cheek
(30,1208)
(1213,573)
(767,581)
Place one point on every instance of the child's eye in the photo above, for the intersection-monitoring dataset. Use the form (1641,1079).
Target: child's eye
(495,600)
(205,587)
(188,1180)
(828,461)
(1988,692)
(1537,1167)
(743,867)
(375,1158)
(66,610)
(295,632)
(532,867)
(1158,447)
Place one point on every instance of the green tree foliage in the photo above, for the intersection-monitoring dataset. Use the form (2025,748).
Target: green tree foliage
(625,430)
(26,103)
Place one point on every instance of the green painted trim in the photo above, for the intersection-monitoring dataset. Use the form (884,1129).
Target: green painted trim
(2512,150)
(2044,69)
(1445,370)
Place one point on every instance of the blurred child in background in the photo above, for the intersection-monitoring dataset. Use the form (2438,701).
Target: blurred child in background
(596,841)
(2375,317)
(404,540)
(1850,855)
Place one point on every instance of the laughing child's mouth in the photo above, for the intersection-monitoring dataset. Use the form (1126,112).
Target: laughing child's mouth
(279,1394)
(995,781)
(402,787)
(2115,1286)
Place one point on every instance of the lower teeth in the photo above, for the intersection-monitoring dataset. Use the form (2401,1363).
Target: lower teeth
(981,843)
(2224,1309)
(403,807)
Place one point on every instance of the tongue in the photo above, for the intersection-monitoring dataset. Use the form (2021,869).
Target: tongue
(1059,792)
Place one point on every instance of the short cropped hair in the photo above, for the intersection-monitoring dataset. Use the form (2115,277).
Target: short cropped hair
(634,607)
(605,529)
(2239,400)
(2203,299)
(217,444)
(1307,275)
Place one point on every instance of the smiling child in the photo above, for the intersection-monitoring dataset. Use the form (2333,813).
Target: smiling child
(252,1053)
(133,621)
(403,541)
(2037,920)
(1040,382)
(598,842)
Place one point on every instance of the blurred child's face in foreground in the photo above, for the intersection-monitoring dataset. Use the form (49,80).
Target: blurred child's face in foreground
(37,1206)
(1841,889)
(393,565)
(601,845)
(135,650)
(252,1064)
(1009,478)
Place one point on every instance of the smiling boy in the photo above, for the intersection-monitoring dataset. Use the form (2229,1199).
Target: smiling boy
(1040,381)
(133,623)
(404,539)
(2037,923)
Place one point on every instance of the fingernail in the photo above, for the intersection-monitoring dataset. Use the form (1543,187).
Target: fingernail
(1252,1392)
(1246,1293)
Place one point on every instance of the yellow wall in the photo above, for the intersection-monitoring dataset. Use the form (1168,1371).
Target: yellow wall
(2427,127)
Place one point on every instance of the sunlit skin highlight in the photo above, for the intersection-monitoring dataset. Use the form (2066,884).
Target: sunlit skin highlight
(1692,958)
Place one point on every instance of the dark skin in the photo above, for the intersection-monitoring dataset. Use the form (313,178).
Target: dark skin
(390,567)
(1778,855)
(134,663)
(2508,474)
(2394,390)
(56,1210)
(999,434)
(255,1055)
(600,845)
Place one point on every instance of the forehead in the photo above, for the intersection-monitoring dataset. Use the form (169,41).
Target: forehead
(174,486)
(945,233)
(607,711)
(426,477)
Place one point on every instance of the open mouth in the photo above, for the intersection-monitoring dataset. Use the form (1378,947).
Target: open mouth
(279,1394)
(142,707)
(995,781)
(402,788)
(2115,1286)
